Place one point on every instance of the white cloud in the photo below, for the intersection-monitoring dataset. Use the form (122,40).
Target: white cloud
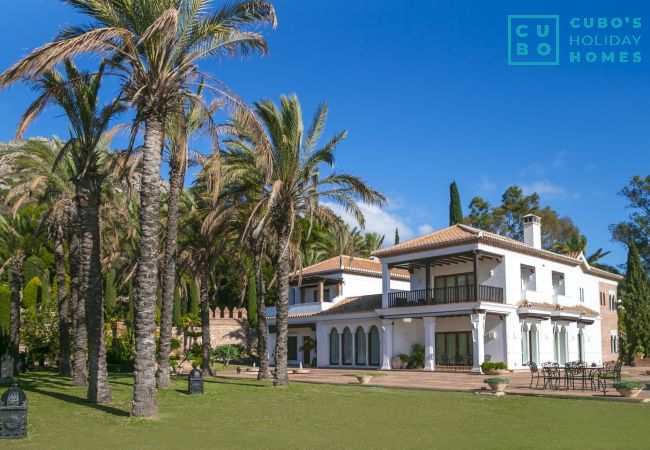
(485,186)
(544,188)
(559,159)
(377,220)
(425,229)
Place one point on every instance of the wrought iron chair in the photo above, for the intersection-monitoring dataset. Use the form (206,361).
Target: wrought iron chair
(552,375)
(575,371)
(534,375)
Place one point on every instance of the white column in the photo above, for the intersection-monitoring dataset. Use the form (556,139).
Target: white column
(385,285)
(478,338)
(510,346)
(387,343)
(322,345)
(429,343)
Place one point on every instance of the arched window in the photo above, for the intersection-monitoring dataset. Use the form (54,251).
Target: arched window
(334,347)
(373,345)
(347,347)
(360,347)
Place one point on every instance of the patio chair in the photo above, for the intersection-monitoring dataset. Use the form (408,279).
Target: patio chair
(575,371)
(534,374)
(552,375)
(611,372)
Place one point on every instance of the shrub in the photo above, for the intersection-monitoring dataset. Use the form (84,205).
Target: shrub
(496,365)
(629,384)
(496,380)
(417,355)
(226,353)
(403,357)
(175,344)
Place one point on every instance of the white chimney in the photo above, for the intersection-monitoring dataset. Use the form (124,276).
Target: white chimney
(533,231)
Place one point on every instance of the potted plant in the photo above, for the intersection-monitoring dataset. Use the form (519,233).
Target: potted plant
(364,378)
(416,360)
(494,368)
(629,388)
(498,385)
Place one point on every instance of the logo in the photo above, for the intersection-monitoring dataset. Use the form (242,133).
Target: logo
(533,40)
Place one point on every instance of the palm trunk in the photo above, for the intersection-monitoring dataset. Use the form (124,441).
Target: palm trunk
(144,385)
(262,330)
(281,377)
(206,348)
(14,309)
(64,307)
(176,179)
(92,293)
(79,363)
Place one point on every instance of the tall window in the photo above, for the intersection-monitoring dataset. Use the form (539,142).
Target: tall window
(373,343)
(529,343)
(292,348)
(360,347)
(347,346)
(560,345)
(613,344)
(612,301)
(450,288)
(326,295)
(528,278)
(582,294)
(558,283)
(334,347)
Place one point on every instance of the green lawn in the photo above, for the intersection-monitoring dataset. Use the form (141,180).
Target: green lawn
(247,414)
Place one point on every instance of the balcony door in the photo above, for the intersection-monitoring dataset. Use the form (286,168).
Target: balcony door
(454,288)
(454,349)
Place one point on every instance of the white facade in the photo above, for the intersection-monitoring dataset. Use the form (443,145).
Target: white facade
(481,302)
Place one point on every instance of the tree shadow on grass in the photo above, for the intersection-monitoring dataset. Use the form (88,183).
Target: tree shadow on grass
(75,400)
(218,380)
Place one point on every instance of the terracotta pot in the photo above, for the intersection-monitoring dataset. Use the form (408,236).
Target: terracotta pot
(498,387)
(629,392)
(364,379)
(494,372)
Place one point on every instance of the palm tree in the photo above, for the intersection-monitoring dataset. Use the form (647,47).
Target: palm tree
(36,176)
(21,236)
(577,244)
(154,47)
(78,96)
(180,129)
(294,189)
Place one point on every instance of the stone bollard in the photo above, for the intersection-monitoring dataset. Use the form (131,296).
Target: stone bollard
(13,414)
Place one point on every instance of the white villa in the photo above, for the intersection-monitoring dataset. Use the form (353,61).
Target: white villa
(466,295)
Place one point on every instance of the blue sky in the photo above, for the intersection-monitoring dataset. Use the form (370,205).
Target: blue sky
(425,92)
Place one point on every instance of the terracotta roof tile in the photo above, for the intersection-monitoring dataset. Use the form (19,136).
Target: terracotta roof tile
(351,265)
(352,305)
(578,309)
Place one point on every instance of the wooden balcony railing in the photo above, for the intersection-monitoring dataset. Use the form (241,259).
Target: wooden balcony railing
(439,296)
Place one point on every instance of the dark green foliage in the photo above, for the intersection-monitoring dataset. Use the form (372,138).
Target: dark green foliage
(4,308)
(110,293)
(194,304)
(251,301)
(507,219)
(494,365)
(396,236)
(177,319)
(417,356)
(455,209)
(636,301)
(228,352)
(637,228)
(32,293)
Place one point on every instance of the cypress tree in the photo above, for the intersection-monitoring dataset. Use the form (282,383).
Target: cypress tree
(194,307)
(636,301)
(396,236)
(455,209)
(251,301)
(178,313)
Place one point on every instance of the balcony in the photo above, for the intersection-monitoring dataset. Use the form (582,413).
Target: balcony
(446,295)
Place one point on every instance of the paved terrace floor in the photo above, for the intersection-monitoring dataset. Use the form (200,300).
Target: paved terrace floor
(449,381)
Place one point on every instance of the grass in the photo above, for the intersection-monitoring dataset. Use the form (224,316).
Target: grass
(251,414)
